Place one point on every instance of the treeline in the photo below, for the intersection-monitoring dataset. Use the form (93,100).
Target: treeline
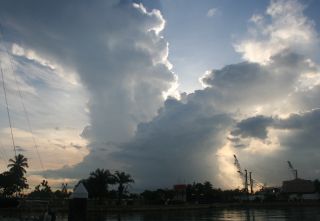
(14,181)
(99,181)
(97,184)
(102,184)
(198,193)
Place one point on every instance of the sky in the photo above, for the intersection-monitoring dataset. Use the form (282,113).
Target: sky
(167,91)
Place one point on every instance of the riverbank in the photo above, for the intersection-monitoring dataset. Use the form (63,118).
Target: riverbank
(63,208)
(240,205)
(222,214)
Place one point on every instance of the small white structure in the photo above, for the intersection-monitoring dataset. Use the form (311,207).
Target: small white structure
(80,192)
(78,204)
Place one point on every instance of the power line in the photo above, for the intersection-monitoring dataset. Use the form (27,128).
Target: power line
(8,111)
(25,110)
(22,103)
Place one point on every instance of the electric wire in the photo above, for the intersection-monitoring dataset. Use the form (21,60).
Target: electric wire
(25,112)
(8,111)
(23,104)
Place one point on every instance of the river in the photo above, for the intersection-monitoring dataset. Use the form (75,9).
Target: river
(298,214)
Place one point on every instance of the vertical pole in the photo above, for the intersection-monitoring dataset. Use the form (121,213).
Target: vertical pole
(246,181)
(251,182)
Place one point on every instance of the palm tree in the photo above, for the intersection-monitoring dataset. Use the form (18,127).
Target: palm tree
(17,169)
(122,179)
(98,182)
(18,164)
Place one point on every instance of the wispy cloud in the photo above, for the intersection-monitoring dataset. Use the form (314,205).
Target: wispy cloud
(212,12)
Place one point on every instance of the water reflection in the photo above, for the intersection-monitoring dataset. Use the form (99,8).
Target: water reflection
(218,215)
(312,214)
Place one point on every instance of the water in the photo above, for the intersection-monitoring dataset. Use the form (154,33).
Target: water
(221,215)
(298,214)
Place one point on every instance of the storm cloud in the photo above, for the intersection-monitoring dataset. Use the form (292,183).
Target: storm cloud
(113,46)
(303,129)
(264,109)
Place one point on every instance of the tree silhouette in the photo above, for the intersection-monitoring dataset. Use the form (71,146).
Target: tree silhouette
(122,179)
(43,190)
(7,184)
(18,164)
(14,180)
(98,182)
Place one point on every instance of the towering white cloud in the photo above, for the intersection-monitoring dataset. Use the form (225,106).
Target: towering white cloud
(271,82)
(283,29)
(114,47)
(256,108)
(284,26)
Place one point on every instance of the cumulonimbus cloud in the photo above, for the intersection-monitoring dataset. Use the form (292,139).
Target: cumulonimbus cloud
(123,65)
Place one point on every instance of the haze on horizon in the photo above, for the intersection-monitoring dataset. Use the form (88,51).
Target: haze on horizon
(165,90)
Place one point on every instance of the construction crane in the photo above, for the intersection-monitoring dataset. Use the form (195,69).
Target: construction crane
(257,183)
(237,164)
(293,170)
(244,176)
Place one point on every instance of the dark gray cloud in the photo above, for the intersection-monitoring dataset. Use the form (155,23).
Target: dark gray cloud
(239,86)
(299,141)
(302,129)
(255,127)
(177,146)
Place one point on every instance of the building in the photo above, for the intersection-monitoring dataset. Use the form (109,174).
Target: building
(180,191)
(300,189)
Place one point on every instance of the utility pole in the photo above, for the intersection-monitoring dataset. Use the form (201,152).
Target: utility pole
(251,182)
(246,181)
